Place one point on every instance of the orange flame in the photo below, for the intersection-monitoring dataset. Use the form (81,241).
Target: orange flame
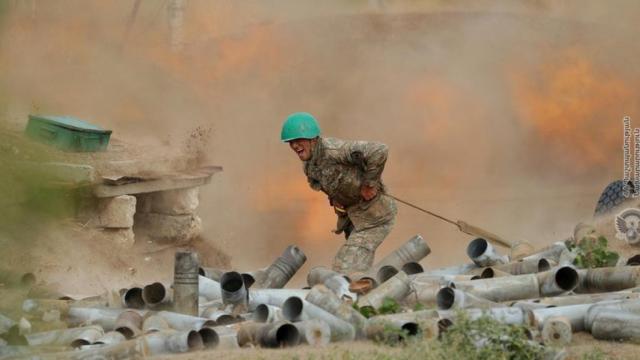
(574,106)
(290,193)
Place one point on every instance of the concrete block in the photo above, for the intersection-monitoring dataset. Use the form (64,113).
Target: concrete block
(73,173)
(175,202)
(116,212)
(143,203)
(122,238)
(168,228)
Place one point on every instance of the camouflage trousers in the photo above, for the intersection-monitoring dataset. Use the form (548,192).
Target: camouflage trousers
(358,251)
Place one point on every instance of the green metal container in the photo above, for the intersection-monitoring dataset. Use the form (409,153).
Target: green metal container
(68,133)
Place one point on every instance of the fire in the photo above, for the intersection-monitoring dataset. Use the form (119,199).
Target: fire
(446,118)
(573,105)
(313,218)
(437,100)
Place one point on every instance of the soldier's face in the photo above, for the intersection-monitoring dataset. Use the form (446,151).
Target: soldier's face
(302,147)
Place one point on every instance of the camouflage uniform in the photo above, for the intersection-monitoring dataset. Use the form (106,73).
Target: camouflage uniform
(339,168)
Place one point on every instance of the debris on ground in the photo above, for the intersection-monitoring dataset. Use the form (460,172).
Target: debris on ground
(525,308)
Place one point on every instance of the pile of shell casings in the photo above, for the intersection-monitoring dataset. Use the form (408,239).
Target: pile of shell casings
(209,309)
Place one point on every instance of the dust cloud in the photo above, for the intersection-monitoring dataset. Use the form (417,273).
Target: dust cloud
(507,115)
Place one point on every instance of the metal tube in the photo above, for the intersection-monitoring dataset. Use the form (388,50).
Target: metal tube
(328,301)
(391,328)
(155,342)
(632,261)
(439,279)
(525,266)
(412,268)
(414,250)
(210,338)
(267,313)
(587,298)
(557,281)
(110,338)
(426,320)
(616,325)
(292,309)
(491,272)
(557,331)
(227,337)
(6,323)
(385,273)
(518,287)
(397,288)
(129,324)
(607,279)
(452,270)
(209,289)
(505,315)
(154,323)
(575,314)
(502,288)
(185,322)
(66,337)
(296,309)
(254,277)
(105,317)
(186,283)
(273,297)
(87,337)
(626,306)
(320,274)
(279,334)
(448,298)
(211,273)
(233,290)
(283,268)
(425,293)
(551,252)
(340,286)
(183,341)
(155,294)
(219,316)
(249,278)
(132,298)
(483,254)
(38,307)
(528,305)
(314,332)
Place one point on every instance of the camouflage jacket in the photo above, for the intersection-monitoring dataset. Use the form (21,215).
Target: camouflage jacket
(339,168)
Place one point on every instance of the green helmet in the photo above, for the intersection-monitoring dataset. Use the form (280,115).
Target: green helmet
(300,125)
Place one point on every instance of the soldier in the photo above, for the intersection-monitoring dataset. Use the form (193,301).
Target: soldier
(349,173)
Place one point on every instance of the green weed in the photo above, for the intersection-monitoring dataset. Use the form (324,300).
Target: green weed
(593,253)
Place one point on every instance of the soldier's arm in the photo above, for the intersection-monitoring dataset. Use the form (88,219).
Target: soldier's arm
(370,156)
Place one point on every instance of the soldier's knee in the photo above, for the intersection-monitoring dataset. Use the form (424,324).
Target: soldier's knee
(352,258)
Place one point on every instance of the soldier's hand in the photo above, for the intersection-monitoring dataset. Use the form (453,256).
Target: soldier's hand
(368,192)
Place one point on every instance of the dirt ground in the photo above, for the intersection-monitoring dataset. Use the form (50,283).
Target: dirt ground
(583,347)
(97,265)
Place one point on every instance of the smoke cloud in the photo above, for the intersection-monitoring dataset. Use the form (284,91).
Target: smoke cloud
(508,116)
